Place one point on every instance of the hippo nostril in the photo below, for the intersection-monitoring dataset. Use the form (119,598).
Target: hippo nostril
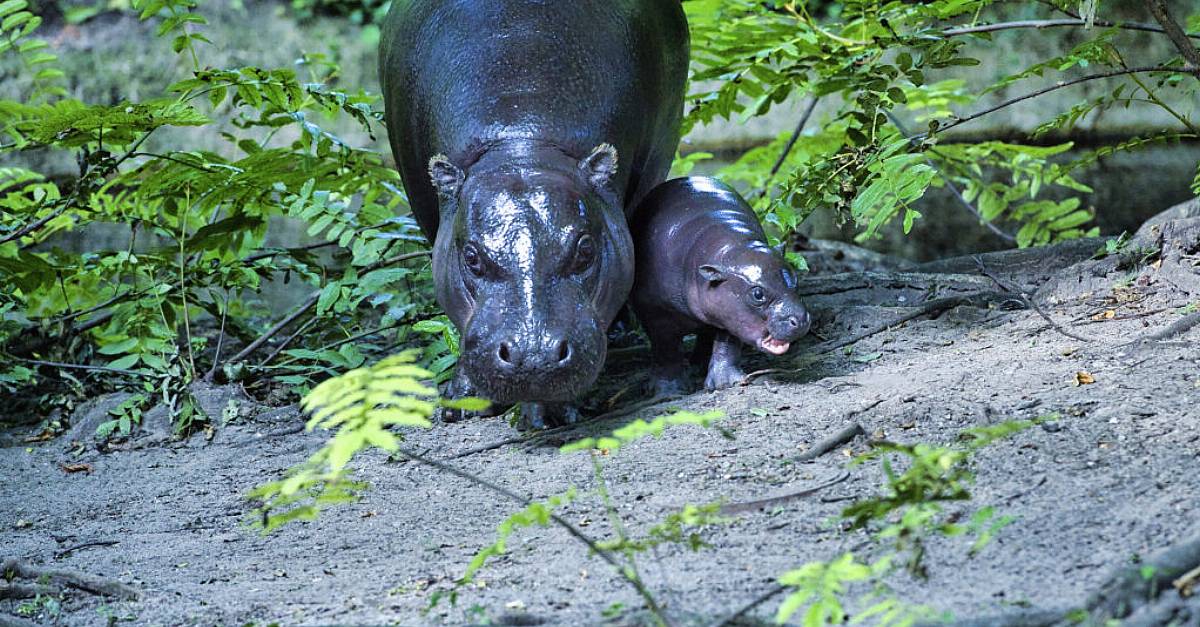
(564,351)
(505,354)
(793,321)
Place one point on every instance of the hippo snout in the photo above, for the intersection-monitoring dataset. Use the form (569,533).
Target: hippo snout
(791,325)
(534,366)
(513,355)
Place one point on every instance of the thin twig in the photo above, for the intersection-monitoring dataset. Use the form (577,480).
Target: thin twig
(55,364)
(65,552)
(287,341)
(1060,85)
(35,225)
(212,371)
(828,444)
(1039,24)
(309,303)
(757,601)
(962,200)
(750,506)
(604,554)
(1028,301)
(787,149)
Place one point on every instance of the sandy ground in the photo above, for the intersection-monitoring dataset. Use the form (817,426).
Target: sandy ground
(1112,480)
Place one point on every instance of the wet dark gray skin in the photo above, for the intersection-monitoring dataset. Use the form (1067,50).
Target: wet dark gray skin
(704,267)
(524,132)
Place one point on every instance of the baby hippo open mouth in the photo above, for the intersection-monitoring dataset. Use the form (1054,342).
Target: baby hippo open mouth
(771,345)
(704,267)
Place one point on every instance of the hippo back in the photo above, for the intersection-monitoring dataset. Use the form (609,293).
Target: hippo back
(461,75)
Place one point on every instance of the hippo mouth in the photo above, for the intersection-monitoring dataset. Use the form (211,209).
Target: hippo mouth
(768,344)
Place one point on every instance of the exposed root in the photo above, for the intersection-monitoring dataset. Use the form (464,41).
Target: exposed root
(12,569)
(1179,327)
(846,281)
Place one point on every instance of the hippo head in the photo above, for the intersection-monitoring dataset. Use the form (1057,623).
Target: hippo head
(532,262)
(752,295)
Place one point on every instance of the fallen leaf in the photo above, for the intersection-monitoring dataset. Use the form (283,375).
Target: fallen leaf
(758,411)
(515,605)
(866,359)
(41,437)
(76,467)
(1084,377)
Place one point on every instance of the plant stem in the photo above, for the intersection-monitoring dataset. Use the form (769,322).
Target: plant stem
(637,585)
(1166,107)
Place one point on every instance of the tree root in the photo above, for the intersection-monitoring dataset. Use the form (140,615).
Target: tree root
(1179,327)
(847,281)
(12,568)
(1146,594)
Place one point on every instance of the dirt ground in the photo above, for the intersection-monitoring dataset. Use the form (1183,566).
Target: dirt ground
(1109,482)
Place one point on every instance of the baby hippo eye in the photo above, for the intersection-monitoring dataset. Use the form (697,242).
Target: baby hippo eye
(585,254)
(757,295)
(472,259)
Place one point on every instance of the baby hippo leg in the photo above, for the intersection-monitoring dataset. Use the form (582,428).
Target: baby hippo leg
(723,370)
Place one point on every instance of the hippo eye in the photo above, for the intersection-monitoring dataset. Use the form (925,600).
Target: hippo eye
(585,254)
(758,295)
(472,259)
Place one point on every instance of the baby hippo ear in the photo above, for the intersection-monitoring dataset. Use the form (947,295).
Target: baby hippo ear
(446,176)
(715,275)
(600,166)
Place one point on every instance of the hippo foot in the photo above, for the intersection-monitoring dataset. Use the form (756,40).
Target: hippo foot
(726,376)
(536,416)
(461,387)
(446,414)
(667,385)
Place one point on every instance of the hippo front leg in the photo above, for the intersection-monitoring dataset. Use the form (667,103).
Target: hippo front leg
(543,415)
(723,369)
(461,387)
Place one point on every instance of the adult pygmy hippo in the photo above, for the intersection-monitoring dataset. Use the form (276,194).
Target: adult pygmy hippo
(704,266)
(524,131)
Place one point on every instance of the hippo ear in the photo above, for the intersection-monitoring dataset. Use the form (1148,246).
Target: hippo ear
(715,275)
(446,176)
(600,166)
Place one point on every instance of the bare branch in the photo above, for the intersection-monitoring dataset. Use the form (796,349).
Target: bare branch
(1061,85)
(1040,24)
(787,150)
(1191,55)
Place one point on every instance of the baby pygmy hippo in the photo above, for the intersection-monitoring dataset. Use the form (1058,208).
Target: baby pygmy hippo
(703,266)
